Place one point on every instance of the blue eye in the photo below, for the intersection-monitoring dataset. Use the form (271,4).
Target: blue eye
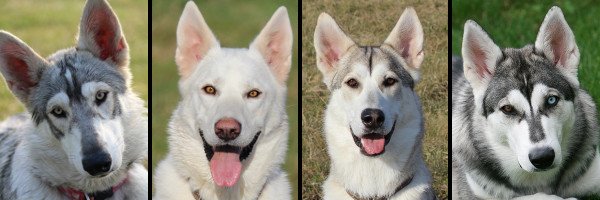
(552,101)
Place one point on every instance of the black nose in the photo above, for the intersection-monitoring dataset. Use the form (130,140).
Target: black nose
(372,118)
(542,158)
(97,163)
(228,129)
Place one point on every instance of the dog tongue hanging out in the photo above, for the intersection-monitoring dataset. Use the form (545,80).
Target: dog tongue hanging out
(228,135)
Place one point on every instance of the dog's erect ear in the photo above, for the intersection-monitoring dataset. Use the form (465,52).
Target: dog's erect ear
(480,55)
(274,43)
(330,45)
(557,41)
(194,39)
(407,39)
(20,65)
(100,33)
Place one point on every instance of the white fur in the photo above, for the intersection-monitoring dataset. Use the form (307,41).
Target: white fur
(233,73)
(43,162)
(350,170)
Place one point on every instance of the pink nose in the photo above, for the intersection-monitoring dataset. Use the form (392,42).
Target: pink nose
(228,129)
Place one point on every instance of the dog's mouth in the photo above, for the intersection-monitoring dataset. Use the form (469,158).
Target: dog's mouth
(226,160)
(373,144)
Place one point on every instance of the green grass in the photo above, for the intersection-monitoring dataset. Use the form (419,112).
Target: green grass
(53,26)
(369,23)
(235,24)
(512,23)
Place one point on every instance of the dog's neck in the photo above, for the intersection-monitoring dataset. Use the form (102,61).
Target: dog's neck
(75,194)
(400,187)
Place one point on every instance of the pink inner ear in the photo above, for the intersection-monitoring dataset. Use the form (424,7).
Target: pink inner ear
(102,25)
(478,56)
(330,54)
(17,67)
(558,46)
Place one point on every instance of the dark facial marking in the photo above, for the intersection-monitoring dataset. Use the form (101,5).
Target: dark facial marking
(526,69)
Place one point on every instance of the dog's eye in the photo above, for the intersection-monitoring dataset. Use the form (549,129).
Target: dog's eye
(352,83)
(58,112)
(508,110)
(389,82)
(101,96)
(551,101)
(253,94)
(209,89)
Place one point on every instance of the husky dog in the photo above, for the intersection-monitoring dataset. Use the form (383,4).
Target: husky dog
(84,135)
(373,122)
(521,125)
(228,136)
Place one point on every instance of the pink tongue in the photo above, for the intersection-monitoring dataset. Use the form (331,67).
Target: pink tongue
(225,168)
(373,146)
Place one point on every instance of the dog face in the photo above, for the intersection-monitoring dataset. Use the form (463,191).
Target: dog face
(526,95)
(74,96)
(231,91)
(372,85)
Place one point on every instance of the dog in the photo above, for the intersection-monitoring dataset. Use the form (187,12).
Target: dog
(228,135)
(521,125)
(374,123)
(84,135)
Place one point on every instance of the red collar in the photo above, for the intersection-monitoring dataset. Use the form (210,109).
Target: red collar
(74,194)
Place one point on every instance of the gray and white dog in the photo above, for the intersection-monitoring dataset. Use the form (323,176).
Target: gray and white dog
(373,122)
(521,125)
(85,132)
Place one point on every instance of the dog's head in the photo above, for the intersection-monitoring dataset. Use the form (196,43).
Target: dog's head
(232,92)
(525,95)
(372,86)
(74,95)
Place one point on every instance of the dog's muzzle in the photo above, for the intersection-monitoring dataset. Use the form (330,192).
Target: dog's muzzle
(373,144)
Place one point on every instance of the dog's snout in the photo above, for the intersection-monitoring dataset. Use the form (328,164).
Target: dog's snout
(97,164)
(372,118)
(542,158)
(228,129)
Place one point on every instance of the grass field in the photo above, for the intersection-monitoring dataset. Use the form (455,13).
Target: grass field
(516,23)
(369,23)
(235,24)
(53,26)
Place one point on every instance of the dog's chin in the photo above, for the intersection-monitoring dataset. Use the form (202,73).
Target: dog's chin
(373,143)
(225,160)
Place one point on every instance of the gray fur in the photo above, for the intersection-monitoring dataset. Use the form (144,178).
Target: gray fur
(369,56)
(474,154)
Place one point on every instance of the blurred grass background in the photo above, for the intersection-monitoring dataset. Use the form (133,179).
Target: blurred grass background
(369,23)
(235,24)
(47,26)
(513,23)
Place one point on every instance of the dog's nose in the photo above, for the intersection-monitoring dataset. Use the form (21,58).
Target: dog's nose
(97,163)
(542,158)
(372,118)
(228,129)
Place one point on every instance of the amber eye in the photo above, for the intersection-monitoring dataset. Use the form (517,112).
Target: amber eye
(101,96)
(508,109)
(209,90)
(352,83)
(253,94)
(389,82)
(58,112)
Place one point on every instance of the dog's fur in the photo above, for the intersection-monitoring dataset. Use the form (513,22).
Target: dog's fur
(357,171)
(509,104)
(187,172)
(79,105)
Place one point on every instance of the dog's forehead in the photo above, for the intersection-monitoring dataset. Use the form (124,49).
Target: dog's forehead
(371,62)
(236,66)
(522,69)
